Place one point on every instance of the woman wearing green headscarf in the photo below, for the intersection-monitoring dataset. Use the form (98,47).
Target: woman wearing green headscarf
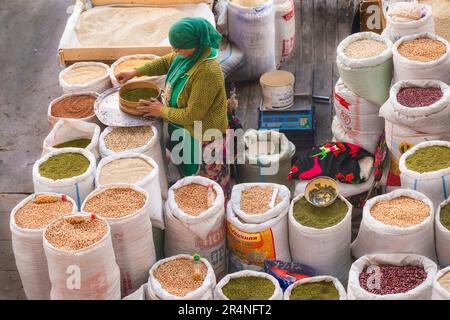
(194,91)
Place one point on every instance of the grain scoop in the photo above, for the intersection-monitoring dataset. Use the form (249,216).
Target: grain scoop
(321,191)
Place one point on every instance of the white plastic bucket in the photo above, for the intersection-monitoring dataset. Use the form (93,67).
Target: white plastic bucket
(277,89)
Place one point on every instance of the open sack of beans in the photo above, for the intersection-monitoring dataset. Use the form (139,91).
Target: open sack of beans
(366,140)
(131,62)
(406,18)
(364,61)
(442,231)
(28,221)
(141,139)
(316,288)
(248,285)
(85,76)
(426,168)
(356,113)
(195,221)
(257,226)
(181,278)
(69,171)
(81,260)
(125,208)
(421,56)
(441,285)
(137,169)
(400,221)
(72,133)
(73,106)
(394,276)
(320,236)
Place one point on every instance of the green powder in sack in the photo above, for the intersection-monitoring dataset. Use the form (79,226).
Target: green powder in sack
(135,95)
(249,288)
(323,290)
(445,216)
(319,217)
(429,159)
(77,143)
(64,165)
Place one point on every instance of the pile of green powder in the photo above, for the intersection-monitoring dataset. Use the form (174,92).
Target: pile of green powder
(63,166)
(445,216)
(135,95)
(429,159)
(324,290)
(319,217)
(77,143)
(249,288)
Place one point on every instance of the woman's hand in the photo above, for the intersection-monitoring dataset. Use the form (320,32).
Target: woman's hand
(151,108)
(124,76)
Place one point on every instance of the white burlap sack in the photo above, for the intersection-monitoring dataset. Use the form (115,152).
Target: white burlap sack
(156,292)
(139,294)
(93,268)
(150,184)
(152,149)
(369,78)
(367,141)
(255,238)
(230,57)
(344,98)
(132,240)
(442,238)
(203,234)
(326,250)
(421,292)
(71,129)
(434,185)
(158,80)
(340,288)
(52,119)
(284,30)
(218,294)
(396,29)
(98,85)
(439,292)
(76,187)
(252,29)
(29,253)
(405,69)
(434,118)
(376,237)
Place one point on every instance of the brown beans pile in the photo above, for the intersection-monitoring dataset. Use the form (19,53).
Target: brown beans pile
(393,279)
(193,198)
(115,202)
(126,138)
(400,212)
(365,48)
(176,276)
(422,49)
(256,200)
(38,213)
(78,106)
(75,233)
(419,97)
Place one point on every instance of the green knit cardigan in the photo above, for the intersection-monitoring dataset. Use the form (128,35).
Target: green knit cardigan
(202,99)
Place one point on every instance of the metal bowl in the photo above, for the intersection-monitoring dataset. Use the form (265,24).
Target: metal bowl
(321,191)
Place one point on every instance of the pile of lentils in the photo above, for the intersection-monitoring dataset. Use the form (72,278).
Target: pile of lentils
(193,198)
(444,281)
(256,200)
(64,166)
(249,288)
(115,202)
(319,217)
(445,216)
(422,49)
(74,107)
(76,143)
(43,209)
(177,276)
(126,138)
(393,279)
(76,232)
(322,290)
(400,212)
(414,97)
